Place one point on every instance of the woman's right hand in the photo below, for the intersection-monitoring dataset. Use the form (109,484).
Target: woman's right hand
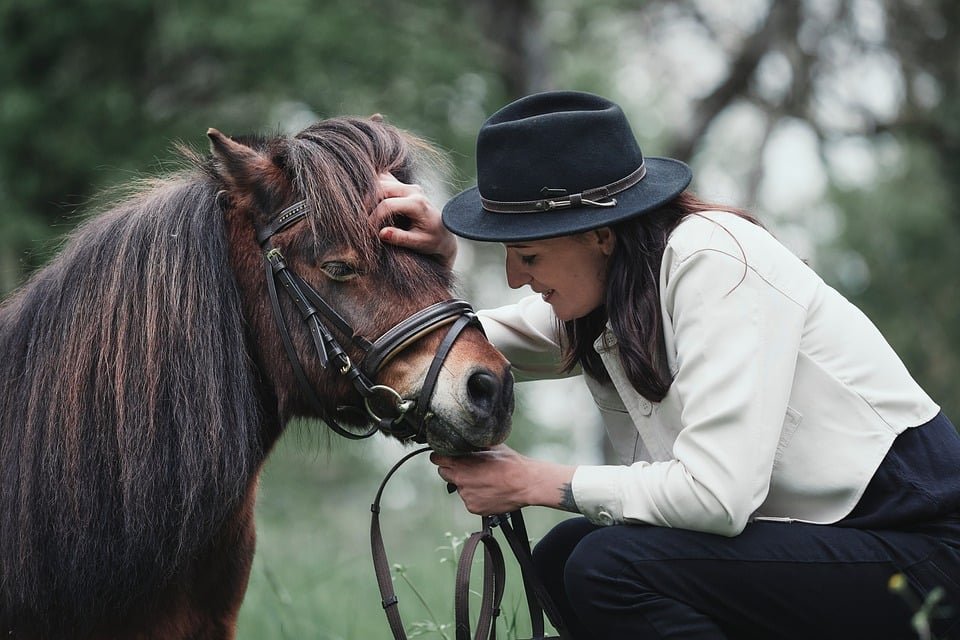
(421,227)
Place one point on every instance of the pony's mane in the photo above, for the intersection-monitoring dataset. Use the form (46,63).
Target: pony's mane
(129,415)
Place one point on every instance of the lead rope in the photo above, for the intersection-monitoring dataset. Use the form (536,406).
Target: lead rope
(494,575)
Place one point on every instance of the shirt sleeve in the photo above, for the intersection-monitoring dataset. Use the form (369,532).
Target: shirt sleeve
(527,334)
(736,339)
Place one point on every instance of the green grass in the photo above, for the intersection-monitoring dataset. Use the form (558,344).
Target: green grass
(313,575)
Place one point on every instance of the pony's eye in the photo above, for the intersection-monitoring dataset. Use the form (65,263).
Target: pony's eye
(340,271)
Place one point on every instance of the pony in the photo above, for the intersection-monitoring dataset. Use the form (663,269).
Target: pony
(144,379)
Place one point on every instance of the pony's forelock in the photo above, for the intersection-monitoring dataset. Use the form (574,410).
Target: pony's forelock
(335,165)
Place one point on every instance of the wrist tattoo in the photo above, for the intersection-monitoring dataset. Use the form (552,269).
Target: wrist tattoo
(567,503)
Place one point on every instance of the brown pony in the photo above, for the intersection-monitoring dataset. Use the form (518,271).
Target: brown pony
(143,380)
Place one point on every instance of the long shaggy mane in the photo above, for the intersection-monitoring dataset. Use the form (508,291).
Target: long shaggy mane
(129,416)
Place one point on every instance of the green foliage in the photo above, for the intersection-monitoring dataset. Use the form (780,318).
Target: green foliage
(926,610)
(97,90)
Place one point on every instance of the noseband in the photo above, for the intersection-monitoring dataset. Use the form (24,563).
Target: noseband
(383,405)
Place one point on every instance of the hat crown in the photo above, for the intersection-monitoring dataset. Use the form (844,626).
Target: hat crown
(561,140)
(580,148)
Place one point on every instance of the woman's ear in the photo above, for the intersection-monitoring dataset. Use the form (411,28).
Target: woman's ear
(607,239)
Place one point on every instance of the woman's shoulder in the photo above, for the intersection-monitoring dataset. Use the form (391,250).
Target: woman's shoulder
(724,232)
(711,243)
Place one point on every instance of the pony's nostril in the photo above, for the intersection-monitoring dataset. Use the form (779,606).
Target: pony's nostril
(507,393)
(483,388)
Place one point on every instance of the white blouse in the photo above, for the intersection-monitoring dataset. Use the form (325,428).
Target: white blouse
(785,397)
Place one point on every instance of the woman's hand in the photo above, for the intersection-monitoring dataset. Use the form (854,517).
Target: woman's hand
(420,228)
(500,480)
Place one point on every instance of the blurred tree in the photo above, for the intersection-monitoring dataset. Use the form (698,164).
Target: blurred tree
(96,90)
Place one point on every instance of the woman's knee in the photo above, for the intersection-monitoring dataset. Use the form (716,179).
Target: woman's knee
(551,553)
(613,561)
(613,581)
(595,567)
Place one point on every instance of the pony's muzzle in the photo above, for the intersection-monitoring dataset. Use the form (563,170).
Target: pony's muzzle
(490,396)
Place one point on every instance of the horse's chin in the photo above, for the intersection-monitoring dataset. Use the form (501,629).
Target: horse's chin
(447,439)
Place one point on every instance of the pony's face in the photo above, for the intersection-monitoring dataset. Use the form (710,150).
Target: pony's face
(472,400)
(373,286)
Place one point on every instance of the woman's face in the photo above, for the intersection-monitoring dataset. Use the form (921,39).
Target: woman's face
(569,272)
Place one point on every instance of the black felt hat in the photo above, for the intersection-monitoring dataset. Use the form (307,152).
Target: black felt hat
(557,163)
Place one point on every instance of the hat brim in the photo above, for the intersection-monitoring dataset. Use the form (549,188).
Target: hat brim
(465,216)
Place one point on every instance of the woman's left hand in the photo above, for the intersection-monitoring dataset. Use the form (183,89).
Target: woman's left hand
(423,225)
(500,480)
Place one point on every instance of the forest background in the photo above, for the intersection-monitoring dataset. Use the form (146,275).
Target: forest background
(836,121)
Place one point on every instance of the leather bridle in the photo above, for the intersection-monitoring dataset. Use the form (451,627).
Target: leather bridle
(402,417)
(383,406)
(539,601)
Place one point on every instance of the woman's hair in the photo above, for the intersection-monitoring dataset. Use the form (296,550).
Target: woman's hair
(633,281)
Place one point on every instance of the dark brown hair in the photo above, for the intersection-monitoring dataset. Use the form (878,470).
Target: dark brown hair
(633,281)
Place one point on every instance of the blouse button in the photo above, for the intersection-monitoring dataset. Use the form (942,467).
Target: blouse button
(646,407)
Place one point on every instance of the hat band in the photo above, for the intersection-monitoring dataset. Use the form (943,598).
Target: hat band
(596,197)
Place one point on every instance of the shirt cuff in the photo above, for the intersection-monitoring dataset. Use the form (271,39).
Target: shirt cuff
(596,492)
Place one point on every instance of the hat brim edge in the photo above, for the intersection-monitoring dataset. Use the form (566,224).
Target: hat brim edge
(465,216)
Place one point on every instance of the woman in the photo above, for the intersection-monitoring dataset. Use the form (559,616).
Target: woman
(780,464)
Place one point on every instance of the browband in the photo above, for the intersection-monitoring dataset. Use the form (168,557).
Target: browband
(284,219)
(595,197)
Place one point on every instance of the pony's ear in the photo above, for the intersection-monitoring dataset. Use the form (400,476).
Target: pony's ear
(238,165)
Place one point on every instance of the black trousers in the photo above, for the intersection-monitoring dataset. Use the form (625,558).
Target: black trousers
(775,580)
